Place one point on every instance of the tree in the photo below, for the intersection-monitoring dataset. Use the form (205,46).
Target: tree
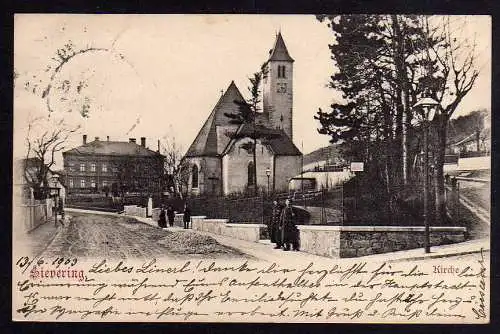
(455,58)
(386,63)
(175,167)
(44,139)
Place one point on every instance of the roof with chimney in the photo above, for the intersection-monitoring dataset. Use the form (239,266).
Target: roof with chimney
(214,138)
(116,148)
(279,51)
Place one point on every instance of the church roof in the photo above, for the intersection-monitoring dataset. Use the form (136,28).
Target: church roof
(279,51)
(276,139)
(116,148)
(208,142)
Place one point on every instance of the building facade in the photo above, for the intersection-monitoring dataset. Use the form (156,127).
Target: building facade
(222,164)
(113,166)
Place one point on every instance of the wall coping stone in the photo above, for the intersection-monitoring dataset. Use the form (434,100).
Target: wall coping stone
(381,228)
(212,220)
(245,225)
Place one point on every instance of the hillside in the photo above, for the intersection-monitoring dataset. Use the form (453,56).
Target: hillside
(330,153)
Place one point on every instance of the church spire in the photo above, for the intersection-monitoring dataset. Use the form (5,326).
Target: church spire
(279,51)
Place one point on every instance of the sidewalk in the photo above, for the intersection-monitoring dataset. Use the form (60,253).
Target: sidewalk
(37,240)
(264,250)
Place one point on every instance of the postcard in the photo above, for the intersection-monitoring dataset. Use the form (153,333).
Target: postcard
(251,168)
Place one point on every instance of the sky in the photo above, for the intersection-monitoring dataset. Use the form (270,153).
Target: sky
(163,74)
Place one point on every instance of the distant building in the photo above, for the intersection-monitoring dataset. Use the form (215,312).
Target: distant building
(221,164)
(113,166)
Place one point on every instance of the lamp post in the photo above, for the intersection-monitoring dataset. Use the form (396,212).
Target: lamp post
(425,114)
(268,174)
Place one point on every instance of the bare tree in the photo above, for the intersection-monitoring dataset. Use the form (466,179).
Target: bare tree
(457,61)
(42,148)
(175,166)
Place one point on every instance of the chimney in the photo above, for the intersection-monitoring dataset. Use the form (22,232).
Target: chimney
(158,146)
(84,139)
(96,138)
(143,141)
(107,138)
(131,140)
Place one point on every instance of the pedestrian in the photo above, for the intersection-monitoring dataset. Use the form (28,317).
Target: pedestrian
(170,215)
(60,208)
(274,226)
(289,232)
(187,216)
(162,221)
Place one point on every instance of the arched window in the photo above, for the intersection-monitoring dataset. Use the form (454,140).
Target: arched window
(194,175)
(251,179)
(281,71)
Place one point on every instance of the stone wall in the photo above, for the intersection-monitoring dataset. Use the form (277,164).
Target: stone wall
(134,210)
(353,241)
(248,231)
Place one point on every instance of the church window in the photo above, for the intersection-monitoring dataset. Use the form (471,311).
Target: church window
(281,71)
(194,177)
(251,179)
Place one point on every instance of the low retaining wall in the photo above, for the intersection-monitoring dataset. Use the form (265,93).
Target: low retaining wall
(134,210)
(353,241)
(248,232)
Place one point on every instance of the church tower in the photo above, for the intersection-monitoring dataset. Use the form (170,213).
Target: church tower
(278,87)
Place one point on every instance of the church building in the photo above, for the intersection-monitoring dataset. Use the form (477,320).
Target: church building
(221,163)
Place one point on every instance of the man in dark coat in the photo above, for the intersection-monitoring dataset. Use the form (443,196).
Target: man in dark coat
(162,222)
(170,215)
(273,227)
(289,232)
(187,216)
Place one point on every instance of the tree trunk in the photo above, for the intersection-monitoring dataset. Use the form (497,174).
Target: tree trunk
(255,163)
(402,96)
(440,205)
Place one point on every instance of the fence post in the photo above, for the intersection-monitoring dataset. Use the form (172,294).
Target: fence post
(342,203)
(458,200)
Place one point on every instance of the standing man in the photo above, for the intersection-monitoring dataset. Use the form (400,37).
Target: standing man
(289,235)
(274,226)
(187,216)
(170,215)
(162,222)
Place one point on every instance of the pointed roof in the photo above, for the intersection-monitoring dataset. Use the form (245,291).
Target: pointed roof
(208,142)
(279,51)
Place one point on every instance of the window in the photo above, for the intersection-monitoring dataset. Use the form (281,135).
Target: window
(92,167)
(281,71)
(251,179)
(71,167)
(194,177)
(71,185)
(82,167)
(92,183)
(104,167)
(82,183)
(104,184)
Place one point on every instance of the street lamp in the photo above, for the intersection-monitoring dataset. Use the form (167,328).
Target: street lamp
(268,174)
(425,108)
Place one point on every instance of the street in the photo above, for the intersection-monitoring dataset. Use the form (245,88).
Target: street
(91,235)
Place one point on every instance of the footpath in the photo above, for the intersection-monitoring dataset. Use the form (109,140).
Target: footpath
(264,250)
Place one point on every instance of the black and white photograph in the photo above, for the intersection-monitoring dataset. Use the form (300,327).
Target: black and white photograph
(251,168)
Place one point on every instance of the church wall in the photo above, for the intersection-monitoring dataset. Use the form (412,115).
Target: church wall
(235,167)
(209,176)
(286,168)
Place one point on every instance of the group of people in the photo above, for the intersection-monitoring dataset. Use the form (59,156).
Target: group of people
(170,214)
(282,227)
